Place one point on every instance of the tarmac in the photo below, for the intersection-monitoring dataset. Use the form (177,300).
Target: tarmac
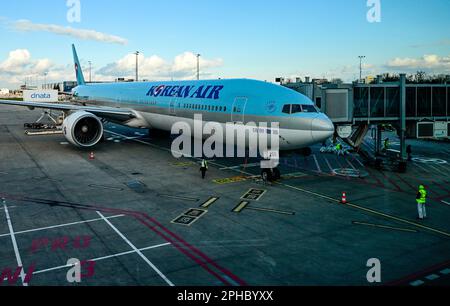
(135,216)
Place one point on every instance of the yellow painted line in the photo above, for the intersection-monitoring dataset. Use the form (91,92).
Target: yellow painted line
(309,192)
(208,203)
(241,206)
(385,227)
(231,180)
(272,210)
(372,211)
(182,164)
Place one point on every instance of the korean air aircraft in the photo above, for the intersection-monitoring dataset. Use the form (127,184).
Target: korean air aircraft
(158,105)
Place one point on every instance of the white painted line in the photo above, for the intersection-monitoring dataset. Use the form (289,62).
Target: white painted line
(446,203)
(14,242)
(359,162)
(105,257)
(371,147)
(317,163)
(329,165)
(137,250)
(417,283)
(438,170)
(351,165)
(432,277)
(445,272)
(61,225)
(421,167)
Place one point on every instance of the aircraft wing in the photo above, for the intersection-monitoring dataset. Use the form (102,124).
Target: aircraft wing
(109,113)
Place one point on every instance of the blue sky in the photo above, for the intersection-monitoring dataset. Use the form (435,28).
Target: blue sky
(237,38)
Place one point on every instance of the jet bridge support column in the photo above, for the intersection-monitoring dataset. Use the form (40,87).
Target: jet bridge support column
(378,140)
(403,153)
(402,166)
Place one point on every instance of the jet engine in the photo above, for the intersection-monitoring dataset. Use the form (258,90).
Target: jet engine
(83,129)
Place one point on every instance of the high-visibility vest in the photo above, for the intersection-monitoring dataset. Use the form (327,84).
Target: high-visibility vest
(205,164)
(423,197)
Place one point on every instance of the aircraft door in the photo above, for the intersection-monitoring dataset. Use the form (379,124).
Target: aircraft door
(172,107)
(238,110)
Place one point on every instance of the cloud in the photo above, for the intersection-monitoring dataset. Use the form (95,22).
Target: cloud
(19,65)
(429,62)
(183,66)
(84,34)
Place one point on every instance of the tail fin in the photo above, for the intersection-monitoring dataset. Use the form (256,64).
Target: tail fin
(78,70)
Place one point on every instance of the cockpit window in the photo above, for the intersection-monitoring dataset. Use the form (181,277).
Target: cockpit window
(309,108)
(296,108)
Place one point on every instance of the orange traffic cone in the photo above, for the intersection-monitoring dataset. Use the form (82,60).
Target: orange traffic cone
(92,156)
(344,198)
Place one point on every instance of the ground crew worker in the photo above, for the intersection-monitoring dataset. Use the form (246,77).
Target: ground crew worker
(421,199)
(339,149)
(386,144)
(409,152)
(204,168)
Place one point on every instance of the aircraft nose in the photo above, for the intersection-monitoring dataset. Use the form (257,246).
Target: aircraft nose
(322,129)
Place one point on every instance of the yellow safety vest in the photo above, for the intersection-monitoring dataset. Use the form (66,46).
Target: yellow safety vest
(423,197)
(205,164)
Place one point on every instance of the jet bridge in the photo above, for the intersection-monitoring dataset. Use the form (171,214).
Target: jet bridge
(415,110)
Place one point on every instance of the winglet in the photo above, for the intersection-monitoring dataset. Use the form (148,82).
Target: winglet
(78,70)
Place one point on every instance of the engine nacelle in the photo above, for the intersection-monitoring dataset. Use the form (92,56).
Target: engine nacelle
(83,129)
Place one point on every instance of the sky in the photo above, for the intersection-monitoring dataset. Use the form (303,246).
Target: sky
(259,39)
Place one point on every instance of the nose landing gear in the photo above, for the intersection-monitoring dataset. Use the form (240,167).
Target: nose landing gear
(270,175)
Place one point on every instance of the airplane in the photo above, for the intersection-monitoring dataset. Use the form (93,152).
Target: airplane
(159,105)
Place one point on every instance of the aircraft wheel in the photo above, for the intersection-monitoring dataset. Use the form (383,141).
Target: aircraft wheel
(266,175)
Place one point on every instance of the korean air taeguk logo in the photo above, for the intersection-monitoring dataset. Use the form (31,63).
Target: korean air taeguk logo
(271,106)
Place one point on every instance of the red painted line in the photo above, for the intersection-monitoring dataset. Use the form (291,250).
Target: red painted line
(198,252)
(406,182)
(372,174)
(419,274)
(181,249)
(391,181)
(138,216)
(441,187)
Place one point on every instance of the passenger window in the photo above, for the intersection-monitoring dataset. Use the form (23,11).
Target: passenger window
(224,108)
(296,108)
(287,109)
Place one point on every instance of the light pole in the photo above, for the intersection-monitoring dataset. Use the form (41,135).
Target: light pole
(90,72)
(137,65)
(198,66)
(361,57)
(45,79)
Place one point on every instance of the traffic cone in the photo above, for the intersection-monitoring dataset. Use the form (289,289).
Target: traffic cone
(344,198)
(92,156)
